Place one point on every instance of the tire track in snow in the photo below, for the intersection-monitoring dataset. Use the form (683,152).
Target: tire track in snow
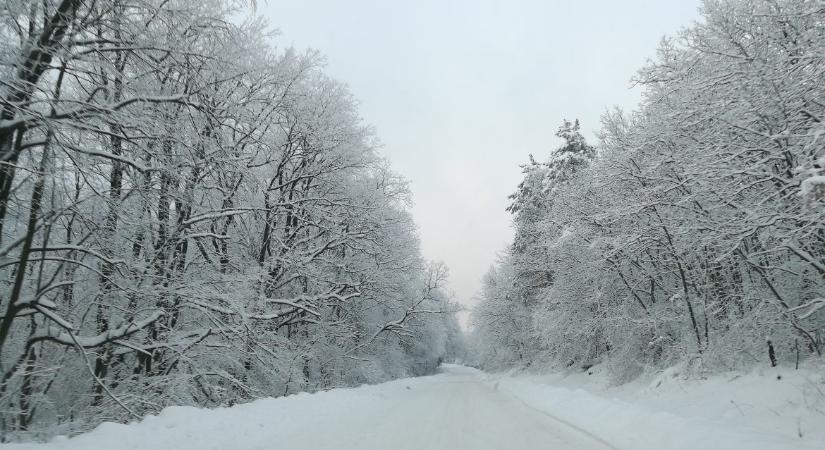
(555,418)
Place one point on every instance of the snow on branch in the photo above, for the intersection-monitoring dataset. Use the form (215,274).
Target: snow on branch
(64,334)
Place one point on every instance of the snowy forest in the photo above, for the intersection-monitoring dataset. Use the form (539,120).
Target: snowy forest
(190,215)
(693,231)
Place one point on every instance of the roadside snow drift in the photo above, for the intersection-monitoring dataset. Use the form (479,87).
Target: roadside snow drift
(773,409)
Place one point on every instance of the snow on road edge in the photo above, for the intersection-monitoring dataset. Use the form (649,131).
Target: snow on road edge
(753,412)
(628,424)
(279,423)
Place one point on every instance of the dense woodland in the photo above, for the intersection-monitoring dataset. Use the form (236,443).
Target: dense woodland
(693,233)
(190,215)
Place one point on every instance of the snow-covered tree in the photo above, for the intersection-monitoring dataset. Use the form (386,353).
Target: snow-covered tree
(697,230)
(189,215)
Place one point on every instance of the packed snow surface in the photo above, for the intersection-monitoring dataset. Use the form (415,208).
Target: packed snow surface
(455,409)
(460,408)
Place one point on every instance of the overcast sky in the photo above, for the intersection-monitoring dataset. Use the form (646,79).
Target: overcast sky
(461,91)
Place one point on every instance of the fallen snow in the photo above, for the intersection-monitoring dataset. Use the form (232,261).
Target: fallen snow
(771,409)
(453,410)
(464,408)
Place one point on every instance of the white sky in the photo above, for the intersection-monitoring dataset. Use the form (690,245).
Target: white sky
(461,91)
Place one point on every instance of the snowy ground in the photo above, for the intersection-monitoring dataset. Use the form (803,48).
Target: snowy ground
(462,408)
(770,409)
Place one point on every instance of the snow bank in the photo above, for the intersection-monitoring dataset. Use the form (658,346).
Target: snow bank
(767,410)
(301,421)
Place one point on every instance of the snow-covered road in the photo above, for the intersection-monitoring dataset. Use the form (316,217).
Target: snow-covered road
(453,410)
(456,410)
(462,408)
